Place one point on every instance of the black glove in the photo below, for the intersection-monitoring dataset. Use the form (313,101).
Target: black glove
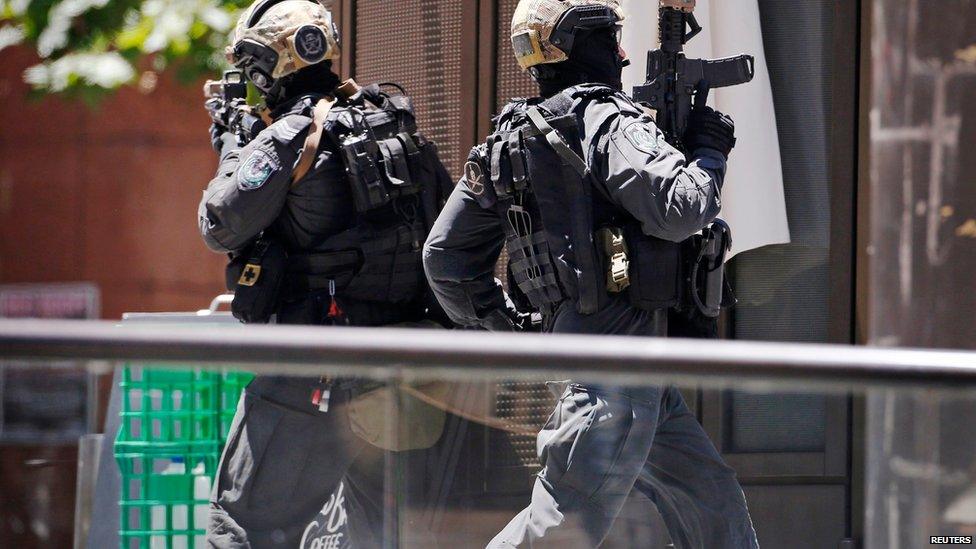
(221,138)
(509,320)
(498,320)
(217,131)
(527,322)
(709,128)
(515,303)
(218,126)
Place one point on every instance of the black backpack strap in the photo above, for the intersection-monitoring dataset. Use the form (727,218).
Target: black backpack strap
(561,104)
(516,155)
(556,141)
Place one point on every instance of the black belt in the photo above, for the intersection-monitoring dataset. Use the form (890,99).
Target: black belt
(294,393)
(325,263)
(307,273)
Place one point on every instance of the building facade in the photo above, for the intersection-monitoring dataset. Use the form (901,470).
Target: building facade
(875,117)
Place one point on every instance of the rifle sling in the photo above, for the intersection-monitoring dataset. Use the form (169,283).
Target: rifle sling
(315,131)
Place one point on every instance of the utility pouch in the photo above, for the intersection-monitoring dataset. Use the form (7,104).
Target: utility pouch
(396,152)
(255,277)
(707,284)
(394,419)
(361,154)
(613,245)
(655,270)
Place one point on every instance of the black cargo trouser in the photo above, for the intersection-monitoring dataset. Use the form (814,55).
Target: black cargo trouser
(292,476)
(602,442)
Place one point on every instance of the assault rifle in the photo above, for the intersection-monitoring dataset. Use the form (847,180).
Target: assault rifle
(227,106)
(676,83)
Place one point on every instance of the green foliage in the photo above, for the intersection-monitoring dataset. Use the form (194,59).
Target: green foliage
(90,47)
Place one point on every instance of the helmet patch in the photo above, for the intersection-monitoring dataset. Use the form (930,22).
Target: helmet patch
(256,170)
(310,44)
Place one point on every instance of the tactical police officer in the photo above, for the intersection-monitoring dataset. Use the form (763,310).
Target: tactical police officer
(324,214)
(597,212)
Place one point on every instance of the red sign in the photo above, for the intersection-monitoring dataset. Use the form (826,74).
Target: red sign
(66,301)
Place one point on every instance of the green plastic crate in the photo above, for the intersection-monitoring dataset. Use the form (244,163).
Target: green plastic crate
(173,427)
(231,386)
(169,406)
(165,494)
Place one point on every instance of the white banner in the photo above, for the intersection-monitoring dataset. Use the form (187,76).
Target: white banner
(754,204)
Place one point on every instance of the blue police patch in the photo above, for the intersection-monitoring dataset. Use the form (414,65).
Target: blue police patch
(256,170)
(310,44)
(643,136)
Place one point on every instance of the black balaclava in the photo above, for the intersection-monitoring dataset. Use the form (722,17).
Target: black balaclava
(314,79)
(595,59)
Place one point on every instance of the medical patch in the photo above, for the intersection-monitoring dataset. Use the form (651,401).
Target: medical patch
(642,136)
(256,170)
(475,177)
(310,43)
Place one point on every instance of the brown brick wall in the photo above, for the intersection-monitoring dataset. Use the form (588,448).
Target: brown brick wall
(106,195)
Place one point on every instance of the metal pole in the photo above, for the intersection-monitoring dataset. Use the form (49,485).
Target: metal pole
(382,353)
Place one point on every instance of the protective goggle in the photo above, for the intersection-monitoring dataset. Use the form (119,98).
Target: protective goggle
(257,61)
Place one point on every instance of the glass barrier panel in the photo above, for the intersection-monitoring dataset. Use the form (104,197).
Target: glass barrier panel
(392,453)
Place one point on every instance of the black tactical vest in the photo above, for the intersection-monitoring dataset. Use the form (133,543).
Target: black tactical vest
(531,173)
(397,186)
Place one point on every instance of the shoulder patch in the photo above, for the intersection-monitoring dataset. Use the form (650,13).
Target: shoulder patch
(474,177)
(286,129)
(256,170)
(643,136)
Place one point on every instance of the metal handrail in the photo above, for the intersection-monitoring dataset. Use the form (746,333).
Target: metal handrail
(407,353)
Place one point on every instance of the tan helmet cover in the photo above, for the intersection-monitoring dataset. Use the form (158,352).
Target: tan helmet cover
(279,29)
(533,23)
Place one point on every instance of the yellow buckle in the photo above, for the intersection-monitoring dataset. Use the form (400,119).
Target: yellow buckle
(619,266)
(611,240)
